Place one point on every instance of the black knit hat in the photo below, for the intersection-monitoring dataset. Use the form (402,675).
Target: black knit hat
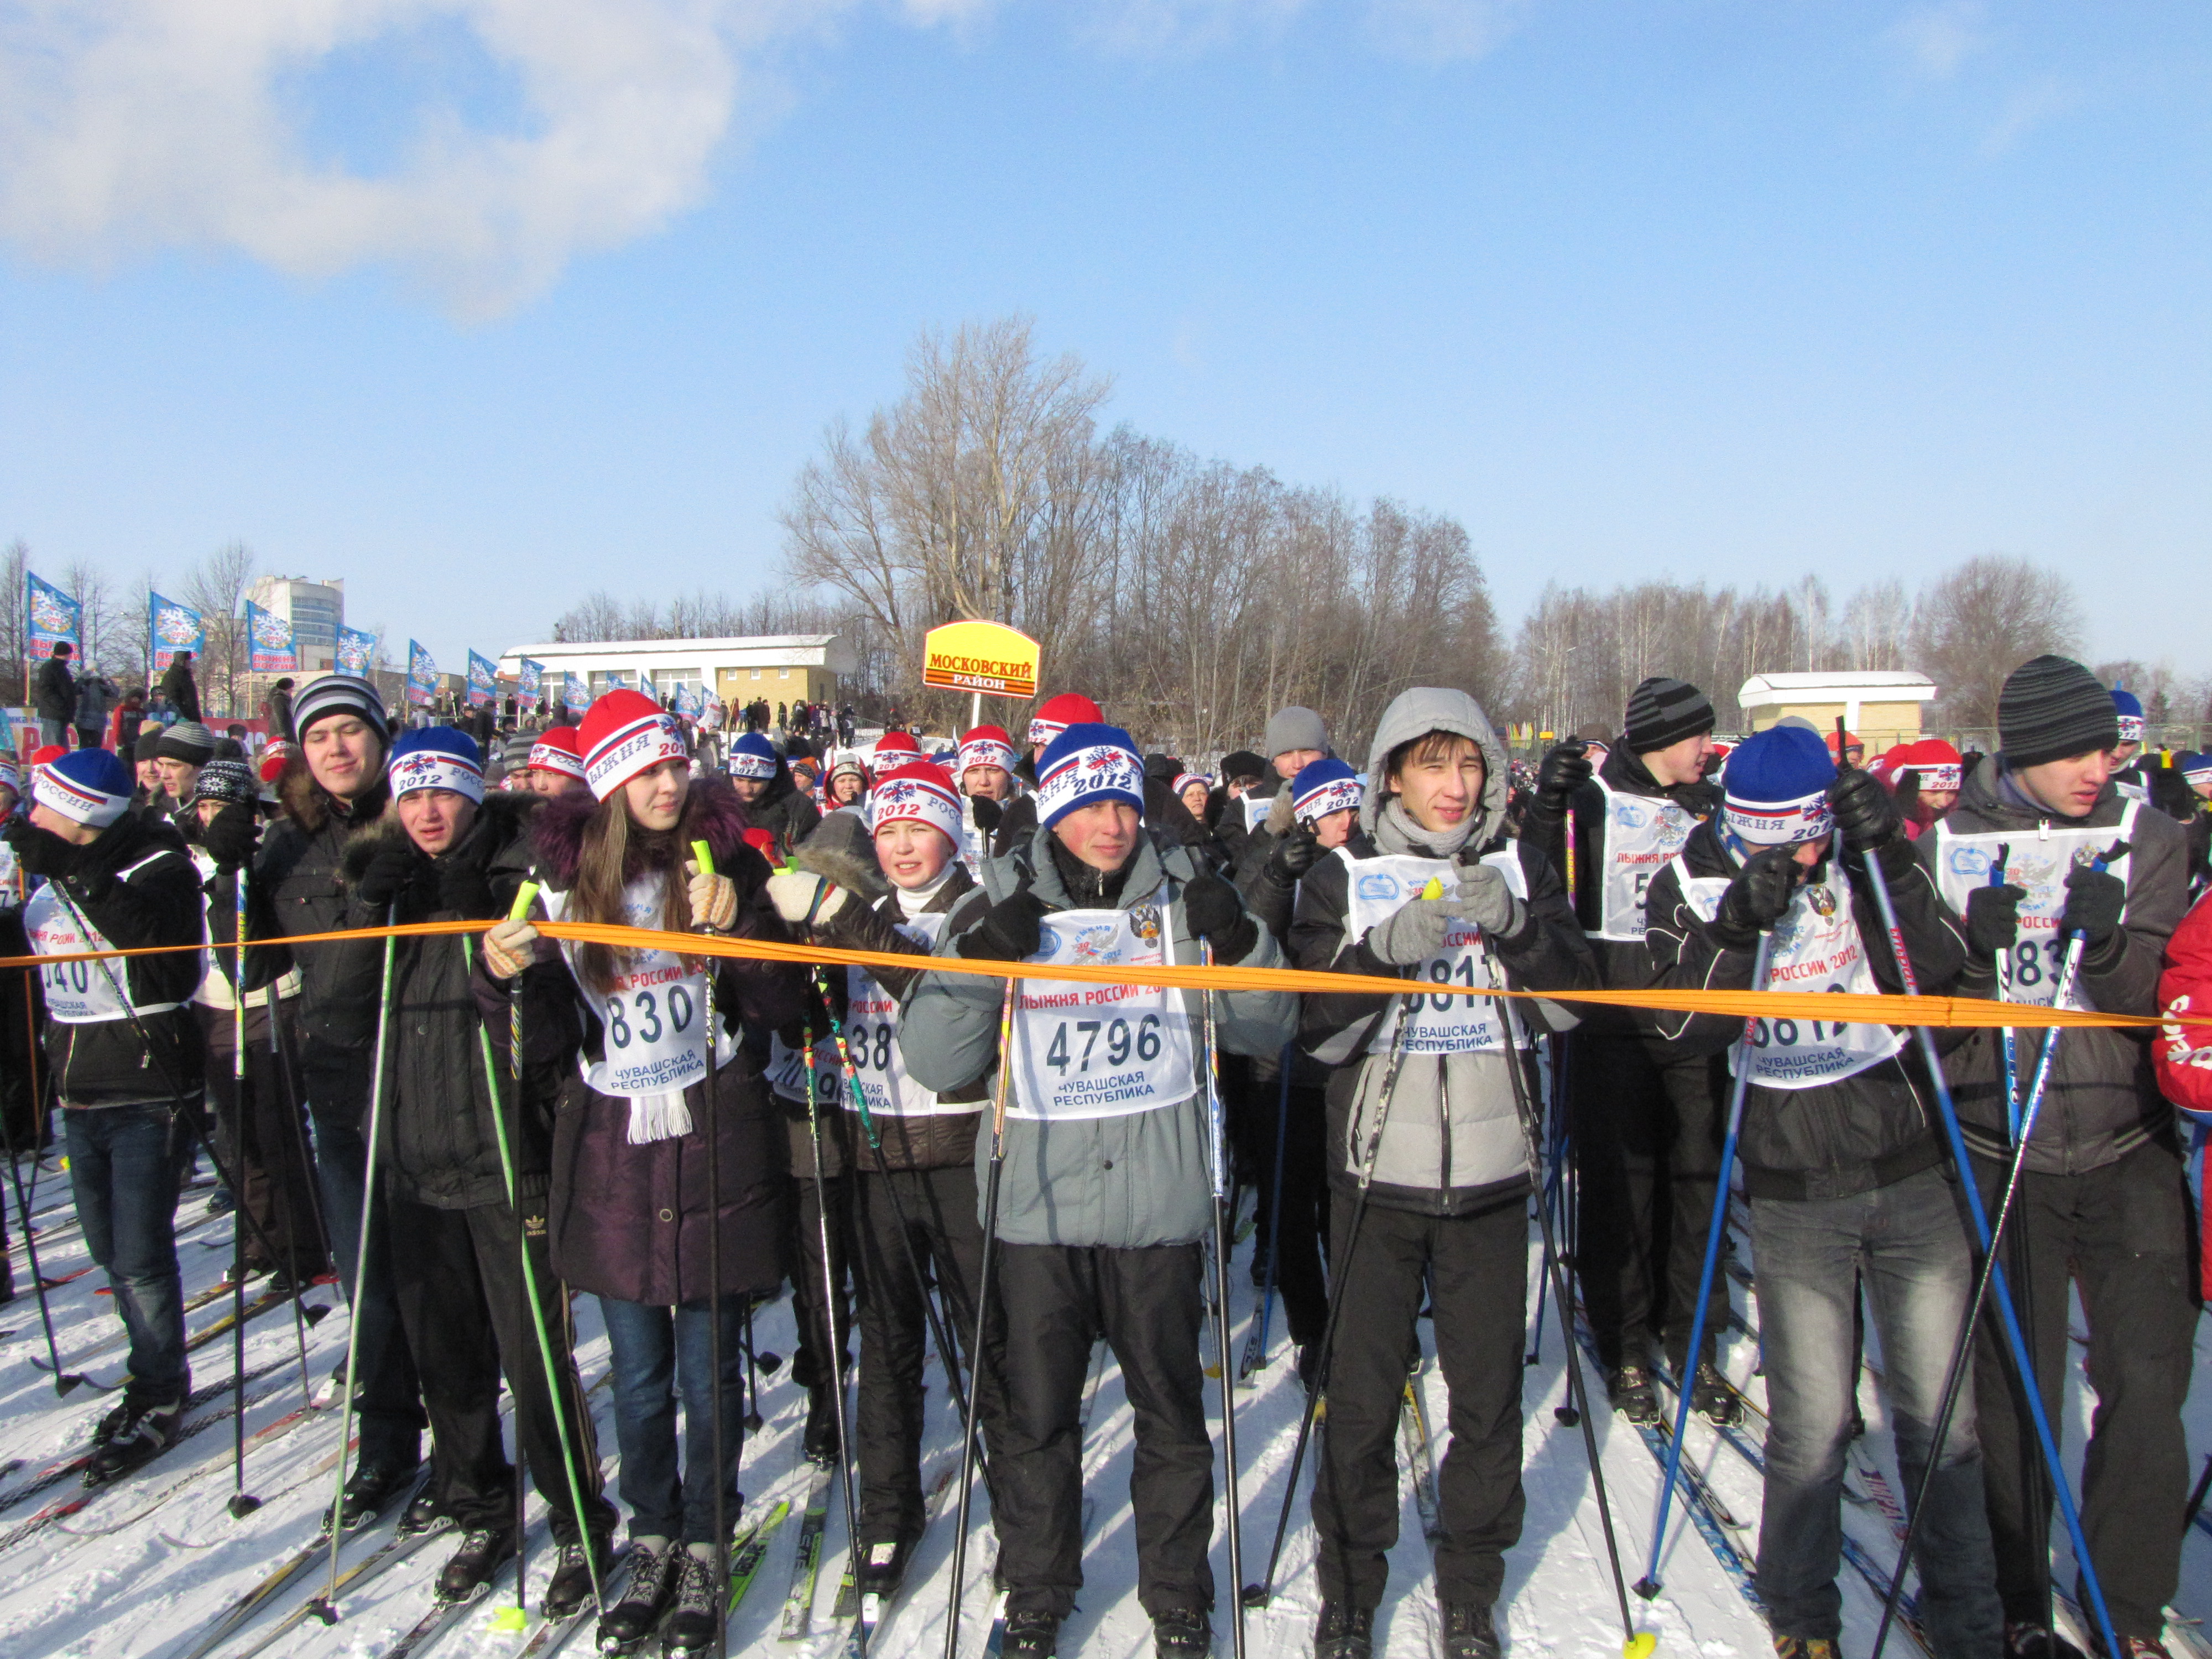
(187,741)
(1243,763)
(2051,707)
(148,746)
(226,780)
(1662,711)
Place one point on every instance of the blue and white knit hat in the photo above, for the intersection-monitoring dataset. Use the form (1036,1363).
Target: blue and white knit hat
(1326,786)
(437,757)
(752,755)
(2129,707)
(2197,768)
(89,787)
(1777,787)
(1085,764)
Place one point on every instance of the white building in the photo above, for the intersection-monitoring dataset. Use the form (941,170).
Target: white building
(784,668)
(1880,707)
(315,610)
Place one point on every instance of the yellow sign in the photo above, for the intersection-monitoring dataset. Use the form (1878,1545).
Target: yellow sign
(980,656)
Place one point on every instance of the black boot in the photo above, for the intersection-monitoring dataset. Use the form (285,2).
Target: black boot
(1031,1636)
(1467,1634)
(2023,1640)
(483,1551)
(1181,1633)
(144,1434)
(654,1565)
(697,1612)
(1344,1632)
(1630,1390)
(821,1440)
(882,1567)
(424,1513)
(1712,1399)
(371,1487)
(570,1586)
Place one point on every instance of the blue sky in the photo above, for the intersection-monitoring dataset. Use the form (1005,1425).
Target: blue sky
(1721,290)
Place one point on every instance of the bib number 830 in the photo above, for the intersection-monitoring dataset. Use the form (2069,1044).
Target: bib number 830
(644,1009)
(1120,1042)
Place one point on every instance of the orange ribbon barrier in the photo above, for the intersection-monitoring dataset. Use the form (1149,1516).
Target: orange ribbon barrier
(1833,1006)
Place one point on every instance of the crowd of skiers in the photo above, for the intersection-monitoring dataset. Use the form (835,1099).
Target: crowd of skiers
(468,1128)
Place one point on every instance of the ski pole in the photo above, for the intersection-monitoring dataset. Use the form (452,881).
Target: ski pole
(1648,1585)
(702,855)
(833,1341)
(65,1382)
(2007,1036)
(242,1503)
(1634,1643)
(1218,1134)
(1992,1275)
(1256,1595)
(983,1310)
(326,1605)
(561,1401)
(1275,1207)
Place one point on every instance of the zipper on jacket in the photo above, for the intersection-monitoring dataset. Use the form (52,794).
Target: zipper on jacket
(1443,1126)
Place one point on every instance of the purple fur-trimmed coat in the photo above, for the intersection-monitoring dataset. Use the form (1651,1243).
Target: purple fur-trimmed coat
(629,1221)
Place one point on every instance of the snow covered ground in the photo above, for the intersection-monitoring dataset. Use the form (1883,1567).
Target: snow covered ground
(142,1566)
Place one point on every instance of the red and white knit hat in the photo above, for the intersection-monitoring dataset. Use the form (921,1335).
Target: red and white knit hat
(1057,714)
(624,733)
(919,794)
(557,750)
(986,745)
(895,749)
(1940,765)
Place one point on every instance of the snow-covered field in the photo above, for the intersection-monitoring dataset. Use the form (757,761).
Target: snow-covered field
(144,1565)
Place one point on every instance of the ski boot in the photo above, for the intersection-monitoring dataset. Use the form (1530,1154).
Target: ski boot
(1712,1399)
(1468,1631)
(1630,1390)
(483,1551)
(655,1563)
(1344,1632)
(144,1433)
(1031,1636)
(1181,1633)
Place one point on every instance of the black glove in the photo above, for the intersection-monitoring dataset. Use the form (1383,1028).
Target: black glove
(2094,899)
(1756,898)
(41,852)
(229,838)
(1210,906)
(1993,920)
(1292,856)
(389,873)
(987,813)
(464,888)
(1565,769)
(1010,930)
(1865,813)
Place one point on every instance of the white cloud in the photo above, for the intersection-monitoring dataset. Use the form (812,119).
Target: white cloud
(1937,40)
(1444,31)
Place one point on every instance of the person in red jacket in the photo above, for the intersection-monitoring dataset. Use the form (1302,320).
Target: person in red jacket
(2183,1057)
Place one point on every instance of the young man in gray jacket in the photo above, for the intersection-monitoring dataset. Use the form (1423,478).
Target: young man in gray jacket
(2102,1206)
(1107,1175)
(1429,889)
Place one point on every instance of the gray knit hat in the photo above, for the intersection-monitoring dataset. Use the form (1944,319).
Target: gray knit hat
(339,694)
(2051,707)
(187,741)
(1295,727)
(1662,711)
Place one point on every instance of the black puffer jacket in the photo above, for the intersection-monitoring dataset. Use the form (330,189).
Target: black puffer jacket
(1865,1131)
(783,810)
(439,1143)
(157,902)
(299,886)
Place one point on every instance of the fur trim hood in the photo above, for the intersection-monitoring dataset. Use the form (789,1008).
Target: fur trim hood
(556,831)
(500,820)
(309,803)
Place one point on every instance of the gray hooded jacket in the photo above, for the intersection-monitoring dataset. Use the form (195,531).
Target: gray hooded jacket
(1119,1182)
(1453,1143)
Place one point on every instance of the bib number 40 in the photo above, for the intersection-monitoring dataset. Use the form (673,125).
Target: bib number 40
(1122,1041)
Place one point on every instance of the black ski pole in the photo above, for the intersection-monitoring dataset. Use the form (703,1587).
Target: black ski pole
(242,1503)
(833,1341)
(2196,1499)
(1256,1595)
(702,855)
(1222,1205)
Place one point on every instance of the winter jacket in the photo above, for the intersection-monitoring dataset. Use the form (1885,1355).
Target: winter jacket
(134,887)
(1453,1142)
(632,1221)
(182,694)
(438,1143)
(2183,1055)
(1622,964)
(54,692)
(299,886)
(1861,1131)
(279,708)
(1121,1182)
(784,809)
(95,696)
(2103,1100)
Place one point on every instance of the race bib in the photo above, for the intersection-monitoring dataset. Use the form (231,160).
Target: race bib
(653,1018)
(1816,947)
(1642,833)
(1439,1021)
(1256,808)
(1083,1050)
(2038,862)
(871,1022)
(79,993)
(787,1071)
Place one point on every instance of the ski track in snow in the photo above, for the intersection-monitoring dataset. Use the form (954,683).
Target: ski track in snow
(148,1587)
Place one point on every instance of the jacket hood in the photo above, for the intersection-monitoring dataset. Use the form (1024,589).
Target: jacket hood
(1415,713)
(502,819)
(556,831)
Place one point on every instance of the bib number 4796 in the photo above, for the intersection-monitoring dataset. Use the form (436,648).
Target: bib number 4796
(1122,1041)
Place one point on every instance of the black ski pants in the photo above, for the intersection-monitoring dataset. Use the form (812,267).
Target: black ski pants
(263,1130)
(1299,1235)
(810,1368)
(2120,1234)
(1475,1269)
(1147,1305)
(463,1299)
(1647,1152)
(940,1210)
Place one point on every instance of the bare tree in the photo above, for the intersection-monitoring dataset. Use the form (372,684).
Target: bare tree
(216,588)
(14,598)
(1982,620)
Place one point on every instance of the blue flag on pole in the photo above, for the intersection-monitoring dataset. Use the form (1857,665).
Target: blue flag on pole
(173,628)
(422,676)
(51,616)
(356,650)
(269,642)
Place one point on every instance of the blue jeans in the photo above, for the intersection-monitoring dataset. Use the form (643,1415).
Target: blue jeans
(126,1167)
(659,1354)
(1908,1240)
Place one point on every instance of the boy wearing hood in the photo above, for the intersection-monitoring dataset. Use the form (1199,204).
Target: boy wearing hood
(1427,889)
(1106,1179)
